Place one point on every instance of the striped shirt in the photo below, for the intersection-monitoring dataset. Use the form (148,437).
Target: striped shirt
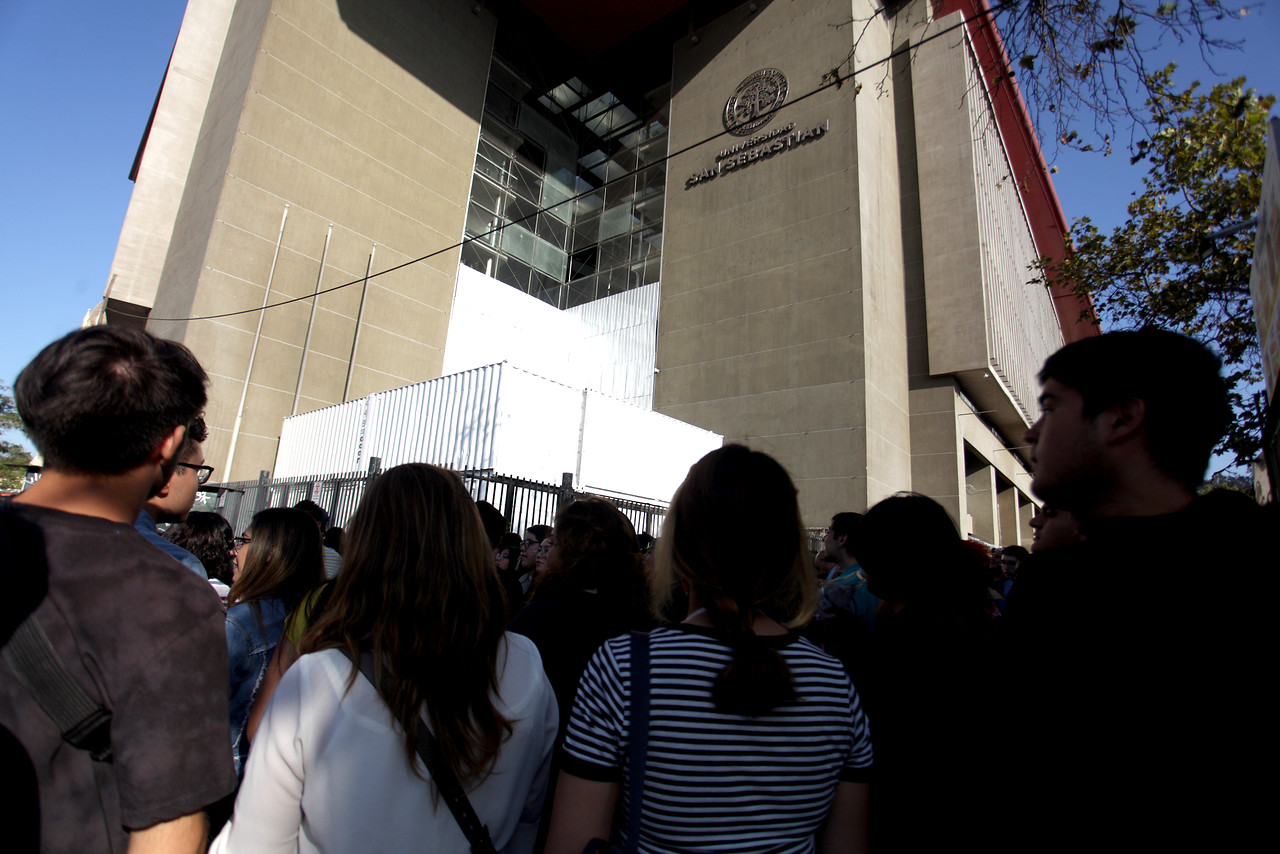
(716,782)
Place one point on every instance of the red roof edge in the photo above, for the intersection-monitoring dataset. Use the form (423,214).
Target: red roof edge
(1049,224)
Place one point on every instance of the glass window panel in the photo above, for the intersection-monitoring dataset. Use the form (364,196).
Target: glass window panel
(520,210)
(549,259)
(582,264)
(486,195)
(526,181)
(519,241)
(652,270)
(527,160)
(557,187)
(544,287)
(592,159)
(615,251)
(653,179)
(502,106)
(492,168)
(553,231)
(615,221)
(588,205)
(618,193)
(580,292)
(595,107)
(477,257)
(481,221)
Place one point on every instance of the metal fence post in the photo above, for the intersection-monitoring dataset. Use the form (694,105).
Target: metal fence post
(566,489)
(264,490)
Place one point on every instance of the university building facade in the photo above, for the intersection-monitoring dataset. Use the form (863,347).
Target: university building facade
(673,205)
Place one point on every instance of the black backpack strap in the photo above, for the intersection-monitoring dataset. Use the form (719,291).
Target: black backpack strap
(638,742)
(446,783)
(83,723)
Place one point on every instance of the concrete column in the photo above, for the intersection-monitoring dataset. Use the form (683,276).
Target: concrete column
(980,501)
(1026,510)
(1007,533)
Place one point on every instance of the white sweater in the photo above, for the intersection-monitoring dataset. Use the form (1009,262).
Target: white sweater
(328,771)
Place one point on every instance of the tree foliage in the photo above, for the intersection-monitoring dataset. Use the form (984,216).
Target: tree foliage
(1081,64)
(1205,161)
(13,456)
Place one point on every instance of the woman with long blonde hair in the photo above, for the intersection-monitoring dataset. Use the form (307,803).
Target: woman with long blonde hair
(410,647)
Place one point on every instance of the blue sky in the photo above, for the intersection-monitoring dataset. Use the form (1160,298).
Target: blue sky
(78,81)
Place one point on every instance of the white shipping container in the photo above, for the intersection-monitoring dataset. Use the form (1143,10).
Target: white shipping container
(505,419)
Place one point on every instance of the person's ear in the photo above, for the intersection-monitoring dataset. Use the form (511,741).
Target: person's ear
(1123,421)
(166,453)
(841,540)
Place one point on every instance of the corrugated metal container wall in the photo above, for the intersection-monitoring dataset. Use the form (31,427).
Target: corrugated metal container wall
(325,440)
(502,419)
(621,332)
(447,421)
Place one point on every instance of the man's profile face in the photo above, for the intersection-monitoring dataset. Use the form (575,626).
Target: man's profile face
(1066,458)
(1053,529)
(175,501)
(831,544)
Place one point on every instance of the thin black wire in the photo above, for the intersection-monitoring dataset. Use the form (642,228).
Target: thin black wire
(836,81)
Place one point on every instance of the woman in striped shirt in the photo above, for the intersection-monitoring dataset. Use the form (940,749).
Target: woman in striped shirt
(756,739)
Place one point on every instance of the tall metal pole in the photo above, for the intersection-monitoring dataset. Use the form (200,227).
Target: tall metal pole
(306,341)
(355,341)
(253,353)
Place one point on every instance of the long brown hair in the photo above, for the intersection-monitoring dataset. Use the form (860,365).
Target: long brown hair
(730,490)
(419,590)
(283,559)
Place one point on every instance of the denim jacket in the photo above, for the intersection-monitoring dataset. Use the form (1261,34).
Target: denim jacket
(249,648)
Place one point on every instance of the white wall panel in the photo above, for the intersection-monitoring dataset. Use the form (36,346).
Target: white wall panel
(648,456)
(539,433)
(608,345)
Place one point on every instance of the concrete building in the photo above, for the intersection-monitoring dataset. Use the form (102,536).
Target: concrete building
(834,274)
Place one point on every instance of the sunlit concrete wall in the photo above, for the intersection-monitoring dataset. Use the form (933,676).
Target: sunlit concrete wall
(359,117)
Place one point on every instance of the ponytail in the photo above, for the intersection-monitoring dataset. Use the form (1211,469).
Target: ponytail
(757,678)
(730,489)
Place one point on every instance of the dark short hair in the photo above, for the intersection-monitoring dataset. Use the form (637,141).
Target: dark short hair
(315,511)
(911,551)
(541,532)
(197,432)
(846,525)
(1015,551)
(208,536)
(494,525)
(1176,377)
(102,399)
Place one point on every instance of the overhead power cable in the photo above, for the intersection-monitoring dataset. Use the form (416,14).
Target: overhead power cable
(836,81)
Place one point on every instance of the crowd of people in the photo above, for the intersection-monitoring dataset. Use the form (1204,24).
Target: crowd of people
(425,678)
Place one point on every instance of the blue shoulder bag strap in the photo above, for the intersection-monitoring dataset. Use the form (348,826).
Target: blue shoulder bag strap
(638,745)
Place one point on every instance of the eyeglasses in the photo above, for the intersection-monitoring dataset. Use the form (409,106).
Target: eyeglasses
(203,473)
(242,541)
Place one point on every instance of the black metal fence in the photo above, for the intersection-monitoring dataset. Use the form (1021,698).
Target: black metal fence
(521,502)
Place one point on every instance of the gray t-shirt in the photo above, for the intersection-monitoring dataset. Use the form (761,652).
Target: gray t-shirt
(145,642)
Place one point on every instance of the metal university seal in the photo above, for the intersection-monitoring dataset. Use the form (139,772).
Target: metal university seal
(755,101)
